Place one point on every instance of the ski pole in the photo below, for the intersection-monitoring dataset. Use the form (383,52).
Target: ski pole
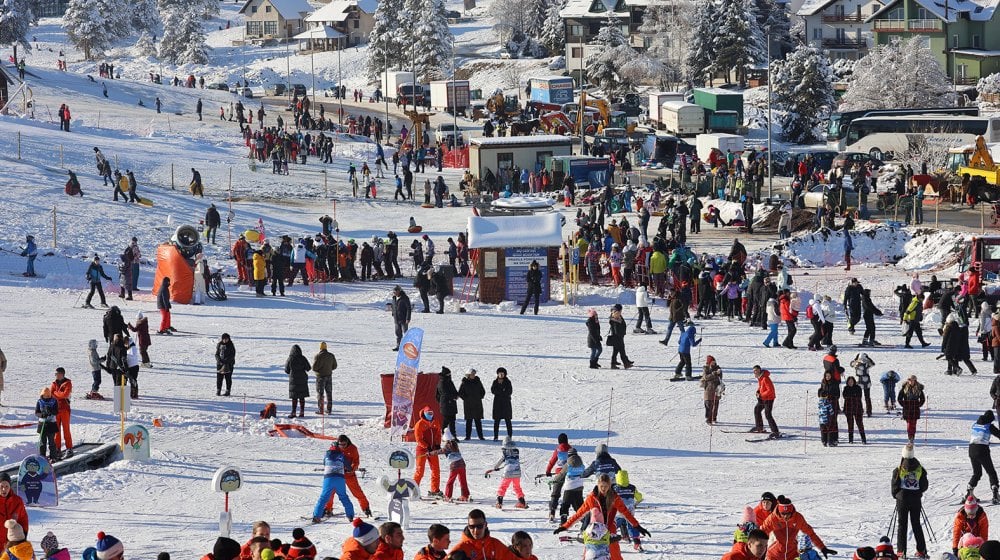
(927,523)
(892,521)
(611,399)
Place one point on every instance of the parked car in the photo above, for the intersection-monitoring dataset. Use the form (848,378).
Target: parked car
(221,86)
(445,134)
(245,92)
(274,90)
(453,14)
(821,194)
(299,90)
(848,159)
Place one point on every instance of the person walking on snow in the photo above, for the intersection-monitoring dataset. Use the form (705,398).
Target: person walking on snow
(225,361)
(297,368)
(594,341)
(909,482)
(765,403)
(94,274)
(979,454)
(401,313)
(773,318)
(911,399)
(334,466)
(686,341)
(427,433)
(642,303)
(509,466)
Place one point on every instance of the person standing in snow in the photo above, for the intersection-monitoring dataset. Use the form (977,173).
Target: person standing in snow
(913,316)
(765,402)
(862,365)
(196,186)
(685,343)
(815,315)
(534,283)
(447,398)
(594,341)
(225,362)
(472,392)
(163,304)
(911,398)
(502,409)
(31,251)
(324,362)
(788,304)
(212,222)
(711,383)
(772,317)
(854,409)
(909,482)
(297,368)
(94,274)
(334,467)
(95,365)
(604,500)
(868,313)
(979,454)
(47,409)
(983,331)
(62,391)
(642,302)
(848,247)
(888,381)
(197,108)
(401,313)
(616,337)
(509,466)
(427,433)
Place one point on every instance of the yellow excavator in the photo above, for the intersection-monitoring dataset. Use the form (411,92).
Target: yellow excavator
(609,118)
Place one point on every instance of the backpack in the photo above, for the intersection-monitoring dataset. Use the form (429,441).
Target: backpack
(270,411)
(809,312)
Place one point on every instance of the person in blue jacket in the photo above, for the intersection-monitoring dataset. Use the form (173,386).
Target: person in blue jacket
(333,482)
(30,251)
(604,463)
(94,274)
(848,247)
(687,341)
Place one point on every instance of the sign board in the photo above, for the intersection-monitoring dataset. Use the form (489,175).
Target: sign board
(227,479)
(36,482)
(516,263)
(117,399)
(404,385)
(490,264)
(136,443)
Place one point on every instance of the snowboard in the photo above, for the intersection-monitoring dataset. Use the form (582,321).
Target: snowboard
(694,378)
(780,436)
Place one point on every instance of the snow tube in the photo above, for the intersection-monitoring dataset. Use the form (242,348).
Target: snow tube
(415,229)
(171,263)
(296,430)
(251,235)
(427,206)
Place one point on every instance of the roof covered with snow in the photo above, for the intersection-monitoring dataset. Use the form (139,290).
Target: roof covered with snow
(521,140)
(338,10)
(536,230)
(812,7)
(977,10)
(288,9)
(591,8)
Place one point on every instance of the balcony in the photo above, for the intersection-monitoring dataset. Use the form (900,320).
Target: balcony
(925,25)
(966,81)
(887,25)
(844,44)
(842,18)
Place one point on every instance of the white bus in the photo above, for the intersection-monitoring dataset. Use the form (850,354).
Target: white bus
(886,137)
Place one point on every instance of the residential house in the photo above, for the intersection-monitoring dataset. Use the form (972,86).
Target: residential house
(275,19)
(50,8)
(583,19)
(964,35)
(353,18)
(839,26)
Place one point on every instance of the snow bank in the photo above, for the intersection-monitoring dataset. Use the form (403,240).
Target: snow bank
(933,250)
(873,243)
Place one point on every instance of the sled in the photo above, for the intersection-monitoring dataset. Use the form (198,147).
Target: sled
(296,431)
(416,229)
(144,201)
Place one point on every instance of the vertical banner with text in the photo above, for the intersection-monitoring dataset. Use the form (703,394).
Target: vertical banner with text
(404,386)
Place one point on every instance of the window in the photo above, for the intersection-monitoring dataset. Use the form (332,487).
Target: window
(923,13)
(647,42)
(356,24)
(624,29)
(540,159)
(576,52)
(817,33)
(270,28)
(954,41)
(253,9)
(841,34)
(505,160)
(896,14)
(961,71)
(267,9)
(838,10)
(255,28)
(574,30)
(976,43)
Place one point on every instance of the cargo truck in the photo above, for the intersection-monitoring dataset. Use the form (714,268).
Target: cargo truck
(549,89)
(682,119)
(450,96)
(390,82)
(656,100)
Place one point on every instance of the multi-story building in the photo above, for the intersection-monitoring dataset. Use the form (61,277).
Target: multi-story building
(964,35)
(583,19)
(840,26)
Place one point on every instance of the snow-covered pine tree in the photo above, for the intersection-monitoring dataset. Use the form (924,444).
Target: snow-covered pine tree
(772,18)
(15,18)
(144,45)
(739,41)
(802,89)
(143,16)
(194,50)
(699,64)
(666,28)
(898,74)
(87,27)
(553,34)
(434,42)
(385,42)
(611,51)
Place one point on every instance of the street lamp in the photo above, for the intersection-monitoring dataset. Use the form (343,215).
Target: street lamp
(340,81)
(454,96)
(770,170)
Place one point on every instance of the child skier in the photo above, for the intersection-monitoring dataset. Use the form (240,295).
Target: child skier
(510,461)
(456,470)
(568,484)
(95,367)
(630,497)
(806,550)
(596,538)
(862,363)
(889,380)
(827,428)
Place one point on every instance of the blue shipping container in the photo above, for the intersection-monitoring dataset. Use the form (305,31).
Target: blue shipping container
(558,91)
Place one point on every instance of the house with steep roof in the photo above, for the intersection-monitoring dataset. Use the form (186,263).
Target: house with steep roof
(583,19)
(839,26)
(353,18)
(964,35)
(275,19)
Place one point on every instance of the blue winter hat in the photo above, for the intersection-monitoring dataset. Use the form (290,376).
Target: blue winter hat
(108,547)
(364,533)
(805,543)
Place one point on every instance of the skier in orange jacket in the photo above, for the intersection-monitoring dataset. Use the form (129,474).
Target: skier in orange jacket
(606,500)
(427,432)
(785,524)
(350,452)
